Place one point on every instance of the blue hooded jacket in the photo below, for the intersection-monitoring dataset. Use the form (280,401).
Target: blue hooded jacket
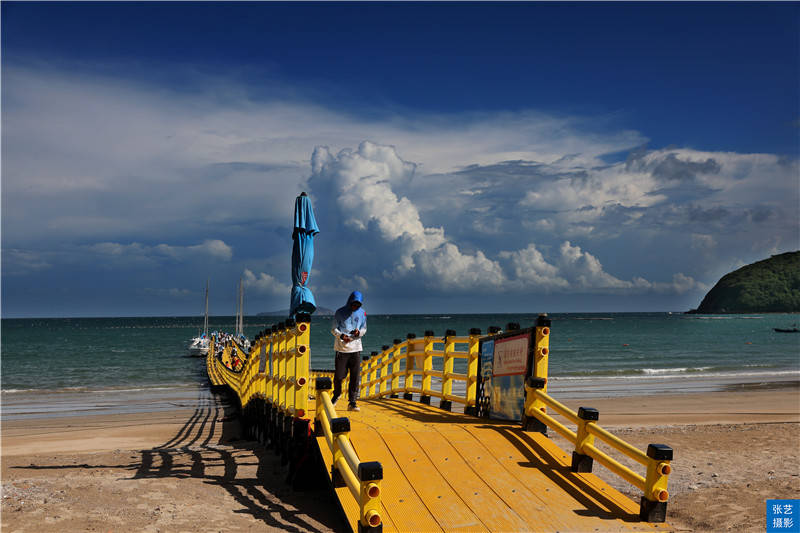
(345,321)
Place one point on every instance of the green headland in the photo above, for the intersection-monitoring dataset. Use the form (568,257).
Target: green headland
(768,286)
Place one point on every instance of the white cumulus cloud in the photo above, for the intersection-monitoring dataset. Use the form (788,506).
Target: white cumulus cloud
(264,283)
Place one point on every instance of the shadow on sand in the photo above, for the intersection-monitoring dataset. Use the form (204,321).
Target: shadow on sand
(209,446)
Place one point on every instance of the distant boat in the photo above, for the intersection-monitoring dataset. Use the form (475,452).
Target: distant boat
(239,336)
(787,330)
(198,346)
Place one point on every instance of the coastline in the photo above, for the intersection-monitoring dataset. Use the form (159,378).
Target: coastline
(188,469)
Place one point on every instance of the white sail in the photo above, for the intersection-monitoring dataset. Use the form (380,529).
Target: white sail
(198,346)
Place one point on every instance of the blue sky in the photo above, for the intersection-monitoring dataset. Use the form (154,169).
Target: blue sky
(460,156)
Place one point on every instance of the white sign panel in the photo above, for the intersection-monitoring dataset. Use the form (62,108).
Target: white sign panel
(511,356)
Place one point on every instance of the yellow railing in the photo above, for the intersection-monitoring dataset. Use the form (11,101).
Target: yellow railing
(362,478)
(656,459)
(276,369)
(410,367)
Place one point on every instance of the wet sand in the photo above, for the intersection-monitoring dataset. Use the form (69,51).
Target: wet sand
(189,469)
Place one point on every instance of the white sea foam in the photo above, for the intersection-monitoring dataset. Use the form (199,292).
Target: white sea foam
(655,371)
(678,374)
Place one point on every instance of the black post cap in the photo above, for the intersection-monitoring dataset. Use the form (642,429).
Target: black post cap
(512,326)
(543,321)
(450,333)
(535,383)
(397,341)
(384,347)
(411,336)
(323,383)
(281,325)
(659,452)
(370,471)
(429,333)
(374,353)
(588,413)
(474,331)
(493,330)
(303,317)
(340,425)
(274,328)
(290,322)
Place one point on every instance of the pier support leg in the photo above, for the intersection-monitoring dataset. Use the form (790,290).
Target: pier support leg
(581,463)
(299,474)
(425,399)
(408,396)
(446,405)
(652,511)
(530,423)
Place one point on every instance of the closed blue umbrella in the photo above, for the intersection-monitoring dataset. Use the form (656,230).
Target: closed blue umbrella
(305,227)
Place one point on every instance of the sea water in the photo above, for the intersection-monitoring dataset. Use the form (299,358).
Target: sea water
(61,367)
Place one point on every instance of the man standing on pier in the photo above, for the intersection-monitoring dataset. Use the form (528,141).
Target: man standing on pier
(349,325)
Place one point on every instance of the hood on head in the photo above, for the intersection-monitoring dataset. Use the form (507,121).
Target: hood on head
(355,296)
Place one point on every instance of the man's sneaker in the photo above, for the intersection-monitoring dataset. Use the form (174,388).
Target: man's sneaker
(353,407)
(334,399)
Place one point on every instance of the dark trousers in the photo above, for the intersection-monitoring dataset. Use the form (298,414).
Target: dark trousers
(347,362)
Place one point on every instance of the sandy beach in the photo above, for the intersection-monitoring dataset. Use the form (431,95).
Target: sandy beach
(190,470)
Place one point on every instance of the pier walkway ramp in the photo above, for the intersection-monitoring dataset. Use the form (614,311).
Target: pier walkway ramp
(427,450)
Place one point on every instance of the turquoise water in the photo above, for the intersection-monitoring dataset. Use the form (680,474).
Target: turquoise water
(78,364)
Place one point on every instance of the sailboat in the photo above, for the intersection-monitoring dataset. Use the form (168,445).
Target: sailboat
(239,336)
(198,346)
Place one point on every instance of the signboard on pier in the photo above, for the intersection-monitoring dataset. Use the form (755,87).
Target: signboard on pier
(505,362)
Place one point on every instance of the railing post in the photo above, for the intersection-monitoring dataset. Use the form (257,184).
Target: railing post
(374,361)
(653,507)
(395,387)
(302,365)
(267,340)
(383,370)
(370,475)
(471,406)
(363,385)
(339,426)
(529,420)
(427,366)
(538,378)
(274,368)
(580,461)
(291,365)
(283,366)
(447,369)
(321,384)
(410,365)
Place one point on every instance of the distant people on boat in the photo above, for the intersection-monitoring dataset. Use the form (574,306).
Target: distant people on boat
(349,326)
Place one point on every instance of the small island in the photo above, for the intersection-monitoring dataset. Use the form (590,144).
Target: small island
(768,286)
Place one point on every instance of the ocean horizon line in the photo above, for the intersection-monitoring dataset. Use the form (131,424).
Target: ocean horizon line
(427,313)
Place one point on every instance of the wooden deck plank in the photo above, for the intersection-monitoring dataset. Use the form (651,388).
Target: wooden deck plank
(447,508)
(580,504)
(399,499)
(474,491)
(454,472)
(524,500)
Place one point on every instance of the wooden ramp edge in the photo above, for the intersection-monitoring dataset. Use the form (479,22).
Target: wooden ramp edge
(453,472)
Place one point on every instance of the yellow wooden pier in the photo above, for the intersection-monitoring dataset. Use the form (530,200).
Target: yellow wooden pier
(404,463)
